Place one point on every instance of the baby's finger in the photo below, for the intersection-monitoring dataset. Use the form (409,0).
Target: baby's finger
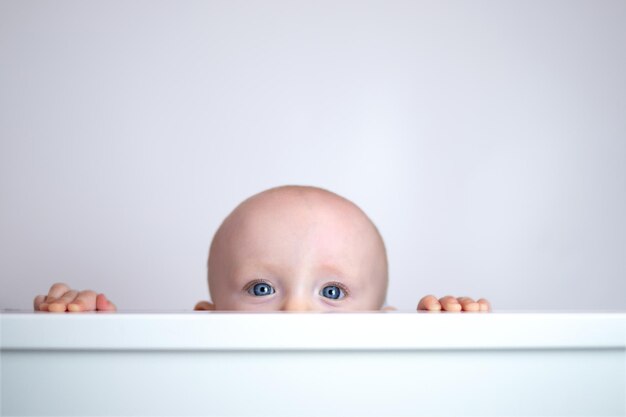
(450,303)
(469,304)
(57,290)
(60,304)
(484,305)
(103,304)
(85,301)
(429,303)
(38,300)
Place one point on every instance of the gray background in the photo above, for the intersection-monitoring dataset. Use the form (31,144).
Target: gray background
(486,139)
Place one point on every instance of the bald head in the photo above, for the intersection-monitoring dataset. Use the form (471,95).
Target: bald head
(297,248)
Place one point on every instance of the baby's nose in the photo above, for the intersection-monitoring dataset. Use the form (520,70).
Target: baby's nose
(296,304)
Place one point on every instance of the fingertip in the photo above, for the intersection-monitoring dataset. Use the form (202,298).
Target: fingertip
(74,307)
(430,298)
(103,304)
(428,302)
(434,307)
(38,300)
(101,301)
(471,307)
(453,307)
(56,308)
(484,305)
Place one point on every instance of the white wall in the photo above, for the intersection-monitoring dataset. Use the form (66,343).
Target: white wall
(486,139)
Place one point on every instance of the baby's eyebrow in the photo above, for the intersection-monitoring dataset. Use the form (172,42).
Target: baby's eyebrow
(326,270)
(333,271)
(251,269)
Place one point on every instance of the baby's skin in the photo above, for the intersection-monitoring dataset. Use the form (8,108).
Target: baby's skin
(290,248)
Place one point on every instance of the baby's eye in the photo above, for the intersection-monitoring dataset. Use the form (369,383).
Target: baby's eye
(332,291)
(261,289)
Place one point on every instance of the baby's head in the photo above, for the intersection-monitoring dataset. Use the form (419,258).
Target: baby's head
(297,248)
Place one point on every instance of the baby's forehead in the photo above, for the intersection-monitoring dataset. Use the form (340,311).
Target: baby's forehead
(295,214)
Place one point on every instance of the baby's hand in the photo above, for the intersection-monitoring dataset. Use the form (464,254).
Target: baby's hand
(62,298)
(450,303)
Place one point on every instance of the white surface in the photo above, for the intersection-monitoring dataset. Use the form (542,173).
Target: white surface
(368,364)
(254,331)
(484,138)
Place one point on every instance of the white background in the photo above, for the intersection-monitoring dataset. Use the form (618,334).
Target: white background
(486,139)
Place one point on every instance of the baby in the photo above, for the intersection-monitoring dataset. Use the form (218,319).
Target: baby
(290,248)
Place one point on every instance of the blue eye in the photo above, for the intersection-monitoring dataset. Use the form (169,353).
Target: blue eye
(261,289)
(332,291)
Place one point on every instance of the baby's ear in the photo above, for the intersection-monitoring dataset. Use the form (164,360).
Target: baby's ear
(388,308)
(204,305)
